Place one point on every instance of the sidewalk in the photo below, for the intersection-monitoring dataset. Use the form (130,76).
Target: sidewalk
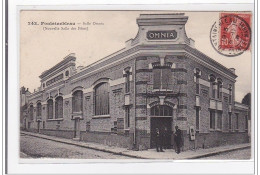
(147,154)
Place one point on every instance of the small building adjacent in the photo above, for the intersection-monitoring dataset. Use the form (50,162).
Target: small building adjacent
(159,80)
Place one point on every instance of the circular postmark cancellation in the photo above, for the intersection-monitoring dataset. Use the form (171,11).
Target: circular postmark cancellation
(231,35)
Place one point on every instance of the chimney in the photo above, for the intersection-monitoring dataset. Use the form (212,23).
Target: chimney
(232,70)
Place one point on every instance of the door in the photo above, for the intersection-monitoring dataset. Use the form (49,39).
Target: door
(76,128)
(161,123)
(38,126)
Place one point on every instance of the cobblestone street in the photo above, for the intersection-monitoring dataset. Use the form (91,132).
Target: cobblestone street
(41,148)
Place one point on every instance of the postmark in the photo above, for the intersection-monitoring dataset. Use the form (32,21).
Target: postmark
(231,35)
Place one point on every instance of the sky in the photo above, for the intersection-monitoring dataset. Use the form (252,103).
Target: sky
(41,49)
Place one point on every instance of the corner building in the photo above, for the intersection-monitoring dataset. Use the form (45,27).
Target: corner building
(158,80)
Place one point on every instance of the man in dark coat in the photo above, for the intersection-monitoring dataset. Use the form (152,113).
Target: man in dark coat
(158,140)
(165,137)
(177,139)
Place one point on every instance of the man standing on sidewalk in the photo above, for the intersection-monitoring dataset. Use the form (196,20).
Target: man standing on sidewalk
(158,140)
(165,138)
(177,139)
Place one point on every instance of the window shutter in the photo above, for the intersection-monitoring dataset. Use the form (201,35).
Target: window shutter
(166,74)
(156,78)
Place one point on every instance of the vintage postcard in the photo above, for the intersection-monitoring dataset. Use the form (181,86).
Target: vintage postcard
(135,84)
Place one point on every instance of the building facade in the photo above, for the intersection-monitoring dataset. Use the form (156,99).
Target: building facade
(159,80)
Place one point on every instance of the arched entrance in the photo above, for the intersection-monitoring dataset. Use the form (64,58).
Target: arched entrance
(161,118)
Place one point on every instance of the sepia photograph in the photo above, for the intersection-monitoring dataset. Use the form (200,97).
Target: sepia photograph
(129,84)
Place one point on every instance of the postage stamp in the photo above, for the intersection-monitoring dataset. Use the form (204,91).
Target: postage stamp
(231,35)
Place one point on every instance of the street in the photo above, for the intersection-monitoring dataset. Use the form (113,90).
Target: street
(33,147)
(237,155)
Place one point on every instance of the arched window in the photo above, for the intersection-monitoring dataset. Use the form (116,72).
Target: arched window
(59,107)
(212,80)
(102,99)
(31,112)
(127,81)
(39,110)
(230,93)
(161,110)
(50,109)
(219,87)
(197,74)
(77,101)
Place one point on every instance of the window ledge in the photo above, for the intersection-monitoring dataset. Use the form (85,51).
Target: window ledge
(101,116)
(55,119)
(77,113)
(219,130)
(127,129)
(211,130)
(161,90)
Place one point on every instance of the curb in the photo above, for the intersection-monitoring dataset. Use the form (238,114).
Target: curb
(219,152)
(126,154)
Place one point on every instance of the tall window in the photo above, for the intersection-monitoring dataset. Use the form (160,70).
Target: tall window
(212,119)
(230,120)
(39,110)
(59,107)
(219,87)
(237,121)
(246,122)
(50,108)
(127,117)
(31,112)
(127,82)
(161,110)
(212,80)
(230,94)
(197,118)
(102,99)
(197,74)
(219,123)
(161,77)
(77,101)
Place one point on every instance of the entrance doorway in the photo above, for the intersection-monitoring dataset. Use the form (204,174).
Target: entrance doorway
(161,123)
(77,128)
(161,118)
(38,126)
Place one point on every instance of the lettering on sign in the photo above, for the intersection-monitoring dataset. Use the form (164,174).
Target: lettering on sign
(162,35)
(204,92)
(225,99)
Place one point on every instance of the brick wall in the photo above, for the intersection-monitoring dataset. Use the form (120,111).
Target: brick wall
(98,129)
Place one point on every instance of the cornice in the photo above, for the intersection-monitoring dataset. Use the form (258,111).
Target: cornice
(57,66)
(187,50)
(209,60)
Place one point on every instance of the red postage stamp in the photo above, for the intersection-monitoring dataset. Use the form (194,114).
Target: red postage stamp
(232,35)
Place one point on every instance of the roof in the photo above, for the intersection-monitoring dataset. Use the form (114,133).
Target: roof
(65,60)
